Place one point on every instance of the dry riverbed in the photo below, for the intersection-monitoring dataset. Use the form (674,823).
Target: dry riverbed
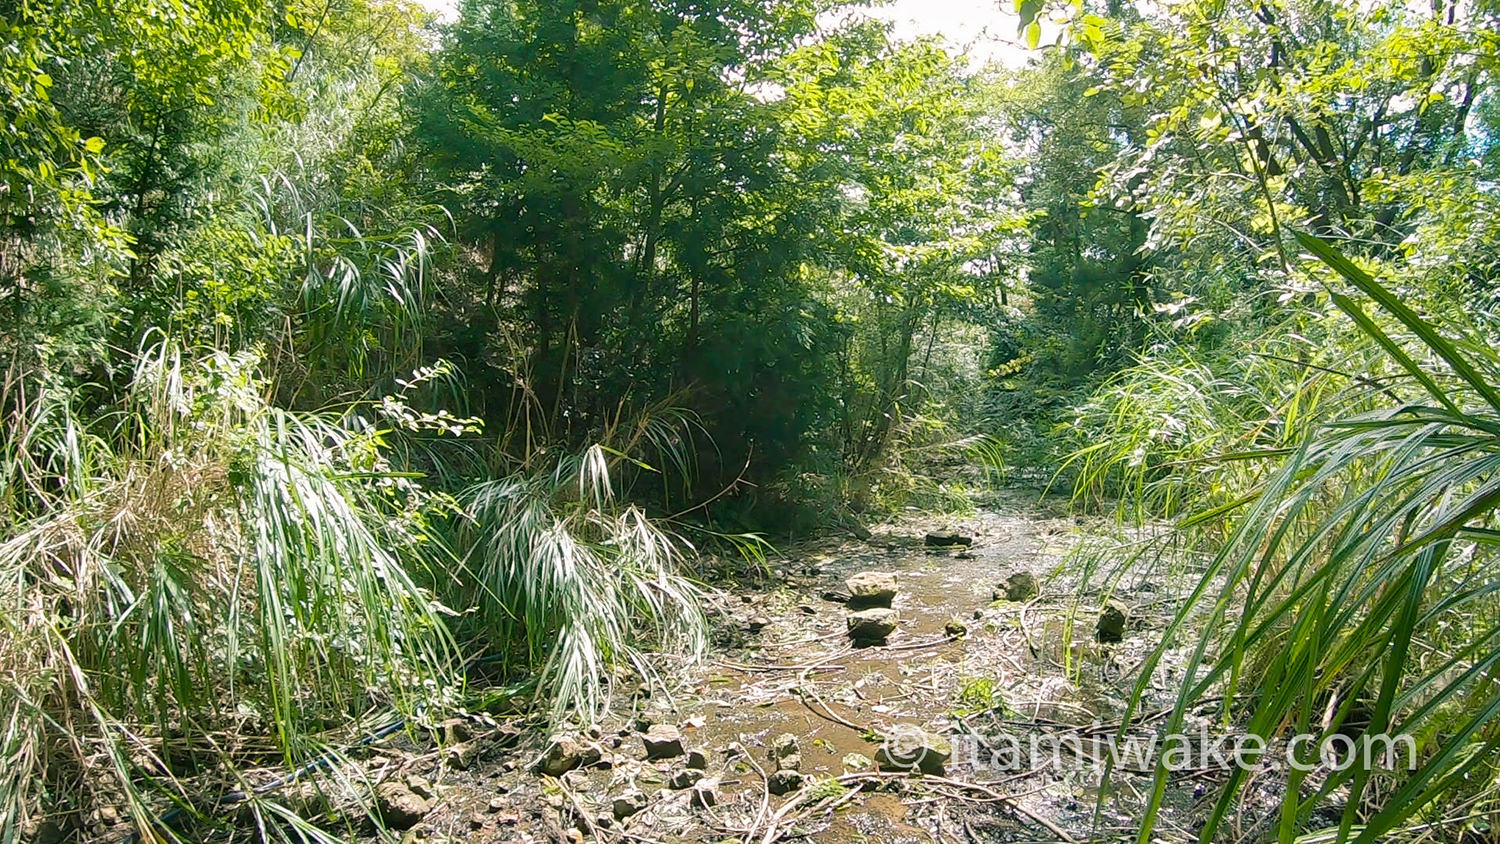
(791,731)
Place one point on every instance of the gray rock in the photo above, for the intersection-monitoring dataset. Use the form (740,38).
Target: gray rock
(1021,586)
(857,762)
(706,793)
(685,778)
(398,806)
(872,625)
(784,782)
(955,628)
(871,589)
(567,753)
(947,539)
(662,741)
(909,748)
(461,756)
(627,804)
(697,760)
(453,731)
(783,747)
(1112,618)
(757,624)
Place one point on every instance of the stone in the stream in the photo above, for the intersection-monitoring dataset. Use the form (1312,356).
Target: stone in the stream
(907,747)
(685,778)
(398,806)
(871,589)
(662,741)
(784,782)
(947,539)
(856,762)
(785,752)
(955,628)
(697,760)
(421,786)
(1112,618)
(706,793)
(757,624)
(567,753)
(627,804)
(453,731)
(1021,586)
(872,625)
(834,597)
(461,756)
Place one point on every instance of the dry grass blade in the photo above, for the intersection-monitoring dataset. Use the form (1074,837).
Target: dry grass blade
(222,563)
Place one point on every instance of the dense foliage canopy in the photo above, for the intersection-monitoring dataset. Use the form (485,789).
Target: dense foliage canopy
(345,348)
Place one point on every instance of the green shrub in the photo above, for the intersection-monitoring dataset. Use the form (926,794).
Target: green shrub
(196,561)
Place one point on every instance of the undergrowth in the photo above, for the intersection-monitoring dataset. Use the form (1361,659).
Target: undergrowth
(1339,499)
(194,564)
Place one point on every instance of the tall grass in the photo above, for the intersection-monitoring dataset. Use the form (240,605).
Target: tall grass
(586,582)
(193,563)
(1187,428)
(1357,580)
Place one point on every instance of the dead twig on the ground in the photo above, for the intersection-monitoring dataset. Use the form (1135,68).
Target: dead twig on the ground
(914,646)
(1014,804)
(804,690)
(750,669)
(765,793)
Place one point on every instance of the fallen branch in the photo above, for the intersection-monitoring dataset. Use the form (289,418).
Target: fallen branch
(1010,801)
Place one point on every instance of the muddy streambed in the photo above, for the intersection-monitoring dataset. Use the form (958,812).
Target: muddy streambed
(778,735)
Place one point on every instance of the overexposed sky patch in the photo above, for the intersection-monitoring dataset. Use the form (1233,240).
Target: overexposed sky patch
(981,29)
